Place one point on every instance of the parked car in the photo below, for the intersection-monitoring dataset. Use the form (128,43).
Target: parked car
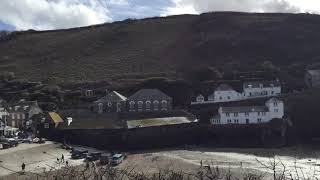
(79,153)
(38,140)
(12,142)
(93,156)
(27,140)
(117,159)
(104,159)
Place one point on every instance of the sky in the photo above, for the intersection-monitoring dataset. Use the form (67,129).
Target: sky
(61,14)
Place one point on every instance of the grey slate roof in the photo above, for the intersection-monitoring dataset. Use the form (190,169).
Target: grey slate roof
(264,83)
(149,94)
(224,87)
(314,72)
(24,106)
(243,109)
(112,97)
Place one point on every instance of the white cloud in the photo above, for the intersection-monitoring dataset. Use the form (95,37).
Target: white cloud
(52,14)
(201,6)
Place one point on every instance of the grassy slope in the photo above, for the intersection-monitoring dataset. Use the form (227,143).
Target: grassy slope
(172,44)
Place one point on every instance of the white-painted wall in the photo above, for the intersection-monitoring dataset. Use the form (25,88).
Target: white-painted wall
(261,92)
(275,110)
(225,96)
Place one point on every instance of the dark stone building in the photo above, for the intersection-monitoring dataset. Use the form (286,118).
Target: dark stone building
(112,102)
(146,100)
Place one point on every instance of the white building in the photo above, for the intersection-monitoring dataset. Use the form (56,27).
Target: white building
(261,89)
(273,108)
(225,93)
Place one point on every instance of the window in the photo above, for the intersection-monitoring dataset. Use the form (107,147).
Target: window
(236,121)
(100,107)
(200,98)
(220,97)
(228,114)
(155,105)
(131,104)
(46,125)
(109,104)
(164,105)
(235,114)
(246,114)
(275,104)
(140,105)
(25,107)
(258,113)
(118,107)
(12,115)
(228,97)
(276,110)
(247,121)
(16,108)
(229,121)
(18,116)
(250,94)
(148,105)
(259,120)
(263,113)
(272,92)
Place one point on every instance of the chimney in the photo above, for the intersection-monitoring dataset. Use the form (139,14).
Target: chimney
(69,119)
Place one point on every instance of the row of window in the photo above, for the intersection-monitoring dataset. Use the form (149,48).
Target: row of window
(164,104)
(246,114)
(17,107)
(17,116)
(263,93)
(235,121)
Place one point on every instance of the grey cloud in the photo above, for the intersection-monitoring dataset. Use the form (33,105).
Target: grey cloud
(52,14)
(200,6)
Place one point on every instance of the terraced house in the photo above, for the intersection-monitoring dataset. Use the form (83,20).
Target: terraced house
(146,100)
(21,113)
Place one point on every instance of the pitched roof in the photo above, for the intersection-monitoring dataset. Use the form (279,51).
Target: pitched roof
(243,109)
(22,106)
(271,100)
(257,84)
(86,119)
(149,94)
(224,87)
(314,72)
(113,97)
(55,117)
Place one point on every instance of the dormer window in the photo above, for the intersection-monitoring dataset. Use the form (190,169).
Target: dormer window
(16,108)
(25,107)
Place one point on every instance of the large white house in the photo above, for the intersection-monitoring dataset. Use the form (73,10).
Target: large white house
(225,93)
(261,89)
(274,108)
